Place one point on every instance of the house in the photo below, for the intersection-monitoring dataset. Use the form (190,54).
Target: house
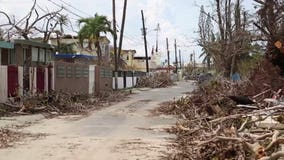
(5,52)
(75,58)
(128,56)
(5,49)
(154,61)
(139,63)
(26,68)
(70,44)
(32,67)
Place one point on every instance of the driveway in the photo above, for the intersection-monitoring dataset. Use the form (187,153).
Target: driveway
(124,131)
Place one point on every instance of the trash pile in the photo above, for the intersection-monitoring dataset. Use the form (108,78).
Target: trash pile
(226,120)
(157,80)
(61,103)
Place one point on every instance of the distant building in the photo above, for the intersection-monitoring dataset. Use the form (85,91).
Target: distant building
(139,63)
(75,47)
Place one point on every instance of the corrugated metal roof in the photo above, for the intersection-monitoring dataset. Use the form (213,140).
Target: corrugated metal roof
(32,43)
(7,45)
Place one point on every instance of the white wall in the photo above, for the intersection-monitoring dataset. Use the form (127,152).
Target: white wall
(135,81)
(91,79)
(0,56)
(53,77)
(119,83)
(20,81)
(3,83)
(46,80)
(129,82)
(33,86)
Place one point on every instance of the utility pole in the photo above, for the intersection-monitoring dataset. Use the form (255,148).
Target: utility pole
(114,46)
(157,36)
(145,42)
(179,59)
(176,63)
(122,28)
(168,54)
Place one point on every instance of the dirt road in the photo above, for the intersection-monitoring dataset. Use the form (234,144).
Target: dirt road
(124,131)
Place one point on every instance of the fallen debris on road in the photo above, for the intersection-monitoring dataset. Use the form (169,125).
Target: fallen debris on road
(157,80)
(212,126)
(61,103)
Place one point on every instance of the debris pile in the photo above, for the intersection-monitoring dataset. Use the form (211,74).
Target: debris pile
(61,103)
(7,137)
(157,80)
(218,121)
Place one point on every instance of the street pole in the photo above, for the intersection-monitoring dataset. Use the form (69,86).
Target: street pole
(114,46)
(176,55)
(168,54)
(145,42)
(179,59)
(157,36)
(122,28)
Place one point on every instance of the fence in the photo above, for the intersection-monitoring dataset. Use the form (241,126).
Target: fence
(127,79)
(87,79)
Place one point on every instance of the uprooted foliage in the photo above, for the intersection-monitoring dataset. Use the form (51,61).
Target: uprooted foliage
(61,103)
(157,80)
(212,126)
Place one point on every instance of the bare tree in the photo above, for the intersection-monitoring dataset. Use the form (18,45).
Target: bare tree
(232,41)
(205,32)
(33,22)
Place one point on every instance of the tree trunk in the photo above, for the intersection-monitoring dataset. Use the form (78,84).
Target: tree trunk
(99,52)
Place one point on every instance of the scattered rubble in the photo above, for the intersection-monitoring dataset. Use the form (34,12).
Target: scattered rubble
(7,137)
(213,126)
(157,80)
(60,103)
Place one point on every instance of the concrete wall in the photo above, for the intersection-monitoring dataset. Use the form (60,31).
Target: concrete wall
(3,83)
(91,79)
(46,80)
(119,83)
(33,86)
(75,83)
(130,82)
(20,79)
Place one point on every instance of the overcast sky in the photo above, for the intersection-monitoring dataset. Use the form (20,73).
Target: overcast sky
(178,19)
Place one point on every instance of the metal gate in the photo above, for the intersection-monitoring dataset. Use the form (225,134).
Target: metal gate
(50,78)
(40,79)
(13,81)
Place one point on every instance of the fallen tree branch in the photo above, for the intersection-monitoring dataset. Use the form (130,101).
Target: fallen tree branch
(274,156)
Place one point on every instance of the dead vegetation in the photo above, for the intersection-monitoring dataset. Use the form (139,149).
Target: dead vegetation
(157,80)
(213,126)
(7,137)
(60,103)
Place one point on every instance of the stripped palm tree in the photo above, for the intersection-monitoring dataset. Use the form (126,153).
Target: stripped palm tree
(91,31)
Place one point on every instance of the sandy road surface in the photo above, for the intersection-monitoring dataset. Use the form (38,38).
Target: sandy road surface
(124,131)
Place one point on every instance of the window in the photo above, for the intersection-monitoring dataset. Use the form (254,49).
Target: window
(25,54)
(34,54)
(41,55)
(12,56)
(48,56)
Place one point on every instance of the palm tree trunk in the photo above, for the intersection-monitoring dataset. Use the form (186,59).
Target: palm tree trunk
(99,52)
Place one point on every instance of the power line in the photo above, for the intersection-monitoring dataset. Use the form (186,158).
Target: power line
(68,4)
(64,8)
